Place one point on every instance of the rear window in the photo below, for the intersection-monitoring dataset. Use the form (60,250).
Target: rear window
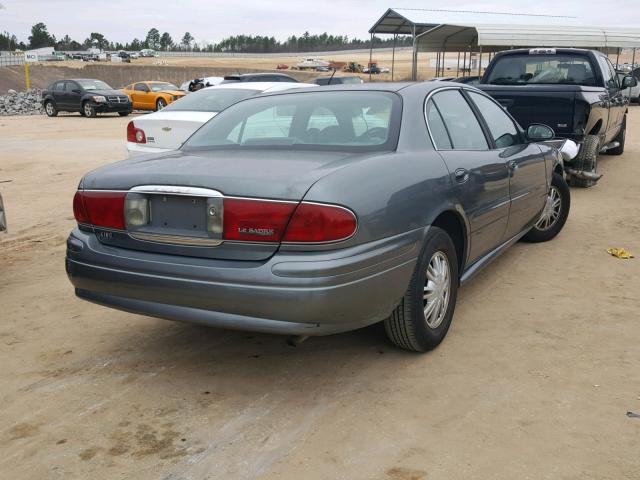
(560,69)
(350,121)
(210,100)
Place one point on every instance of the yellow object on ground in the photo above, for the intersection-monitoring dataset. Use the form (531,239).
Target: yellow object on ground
(619,252)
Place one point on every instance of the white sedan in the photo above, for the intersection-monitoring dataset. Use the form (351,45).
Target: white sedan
(168,128)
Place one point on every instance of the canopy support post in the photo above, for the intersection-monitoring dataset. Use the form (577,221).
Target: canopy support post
(618,59)
(393,55)
(370,55)
(480,61)
(414,56)
(633,62)
(458,66)
(464,64)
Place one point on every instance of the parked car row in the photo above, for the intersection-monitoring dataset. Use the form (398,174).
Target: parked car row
(310,210)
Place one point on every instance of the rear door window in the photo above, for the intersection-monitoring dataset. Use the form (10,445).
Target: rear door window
(438,131)
(463,126)
(502,128)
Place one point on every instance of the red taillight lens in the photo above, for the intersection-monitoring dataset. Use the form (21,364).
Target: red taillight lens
(314,222)
(78,208)
(134,134)
(255,220)
(102,209)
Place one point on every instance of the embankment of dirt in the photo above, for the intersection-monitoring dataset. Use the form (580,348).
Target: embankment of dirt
(119,75)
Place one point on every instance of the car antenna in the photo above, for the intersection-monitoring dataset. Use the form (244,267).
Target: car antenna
(331,77)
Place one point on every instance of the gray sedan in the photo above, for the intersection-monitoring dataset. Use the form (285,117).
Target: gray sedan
(317,212)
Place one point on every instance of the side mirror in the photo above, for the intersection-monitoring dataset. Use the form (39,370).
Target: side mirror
(629,81)
(538,132)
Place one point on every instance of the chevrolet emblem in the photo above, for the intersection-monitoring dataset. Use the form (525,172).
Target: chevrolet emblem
(166,129)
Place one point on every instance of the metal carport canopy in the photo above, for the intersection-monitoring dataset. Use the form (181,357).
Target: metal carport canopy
(494,37)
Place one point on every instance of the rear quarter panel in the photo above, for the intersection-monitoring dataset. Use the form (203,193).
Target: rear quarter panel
(390,194)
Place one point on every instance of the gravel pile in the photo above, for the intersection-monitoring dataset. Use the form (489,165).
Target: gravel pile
(21,103)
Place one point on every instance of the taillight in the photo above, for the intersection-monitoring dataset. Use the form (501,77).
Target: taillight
(255,220)
(102,209)
(78,208)
(315,222)
(134,134)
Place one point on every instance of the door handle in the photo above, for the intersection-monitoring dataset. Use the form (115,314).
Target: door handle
(462,175)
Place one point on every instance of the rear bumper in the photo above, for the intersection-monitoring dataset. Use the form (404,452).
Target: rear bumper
(311,293)
(136,149)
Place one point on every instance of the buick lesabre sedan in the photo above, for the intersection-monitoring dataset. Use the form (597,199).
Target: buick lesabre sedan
(319,211)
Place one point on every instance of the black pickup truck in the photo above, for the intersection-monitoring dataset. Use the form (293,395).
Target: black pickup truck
(574,91)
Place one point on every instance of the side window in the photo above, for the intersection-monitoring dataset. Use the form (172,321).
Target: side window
(463,127)
(502,128)
(140,87)
(436,127)
(612,72)
(610,77)
(58,86)
(69,86)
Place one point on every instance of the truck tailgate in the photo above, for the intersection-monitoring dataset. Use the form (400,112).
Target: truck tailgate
(537,104)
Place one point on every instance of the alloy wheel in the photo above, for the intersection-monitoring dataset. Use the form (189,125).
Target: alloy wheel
(437,289)
(49,108)
(551,211)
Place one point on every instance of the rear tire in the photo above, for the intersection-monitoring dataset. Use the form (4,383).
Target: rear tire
(421,320)
(620,138)
(160,104)
(554,214)
(89,110)
(50,109)
(587,161)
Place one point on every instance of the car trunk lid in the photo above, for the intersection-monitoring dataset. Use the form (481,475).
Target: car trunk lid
(171,128)
(186,194)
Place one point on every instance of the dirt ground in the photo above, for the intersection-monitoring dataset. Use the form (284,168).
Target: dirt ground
(533,381)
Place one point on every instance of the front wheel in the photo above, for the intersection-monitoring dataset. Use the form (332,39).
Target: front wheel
(160,104)
(50,109)
(587,161)
(421,320)
(620,138)
(554,214)
(89,110)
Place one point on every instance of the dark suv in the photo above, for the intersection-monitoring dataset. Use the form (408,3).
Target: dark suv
(87,96)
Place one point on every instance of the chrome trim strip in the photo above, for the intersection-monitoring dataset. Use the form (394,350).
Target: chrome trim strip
(522,195)
(177,190)
(176,239)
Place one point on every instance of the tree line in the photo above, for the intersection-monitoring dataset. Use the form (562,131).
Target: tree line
(40,37)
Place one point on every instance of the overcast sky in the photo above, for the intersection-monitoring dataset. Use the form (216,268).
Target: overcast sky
(212,20)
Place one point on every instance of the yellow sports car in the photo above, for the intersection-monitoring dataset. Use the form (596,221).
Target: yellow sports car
(152,95)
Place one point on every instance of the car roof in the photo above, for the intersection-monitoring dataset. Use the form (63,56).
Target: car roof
(406,88)
(263,86)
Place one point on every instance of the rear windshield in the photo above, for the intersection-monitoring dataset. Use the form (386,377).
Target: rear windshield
(350,121)
(94,85)
(210,100)
(542,69)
